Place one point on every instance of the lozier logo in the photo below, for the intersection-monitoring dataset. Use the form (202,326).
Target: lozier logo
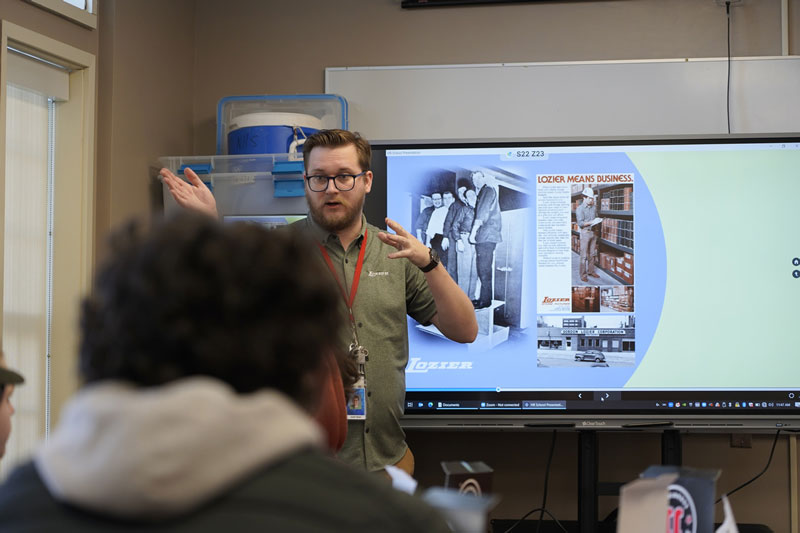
(682,513)
(470,486)
(373,274)
(418,366)
(547,300)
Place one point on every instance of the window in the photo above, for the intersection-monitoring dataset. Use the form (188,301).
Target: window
(628,346)
(25,271)
(47,209)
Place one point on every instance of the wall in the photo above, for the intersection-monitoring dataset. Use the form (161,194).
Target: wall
(259,47)
(277,51)
(548,100)
(146,56)
(46,23)
(265,57)
(165,65)
(49,24)
(144,101)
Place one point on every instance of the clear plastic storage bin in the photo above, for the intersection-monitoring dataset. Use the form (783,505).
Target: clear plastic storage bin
(245,185)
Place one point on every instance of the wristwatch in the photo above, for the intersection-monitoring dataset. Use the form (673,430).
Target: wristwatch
(434,261)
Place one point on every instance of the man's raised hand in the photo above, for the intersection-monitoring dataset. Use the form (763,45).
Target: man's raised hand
(406,244)
(193,195)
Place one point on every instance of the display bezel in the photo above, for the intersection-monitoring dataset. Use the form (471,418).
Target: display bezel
(590,408)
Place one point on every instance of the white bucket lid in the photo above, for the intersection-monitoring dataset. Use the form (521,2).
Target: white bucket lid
(275,119)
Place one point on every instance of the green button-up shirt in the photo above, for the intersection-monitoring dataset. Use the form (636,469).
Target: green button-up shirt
(389,290)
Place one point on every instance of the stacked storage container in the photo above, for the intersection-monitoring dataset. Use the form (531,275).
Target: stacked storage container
(258,168)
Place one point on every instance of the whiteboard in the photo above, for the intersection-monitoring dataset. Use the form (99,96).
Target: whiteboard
(570,99)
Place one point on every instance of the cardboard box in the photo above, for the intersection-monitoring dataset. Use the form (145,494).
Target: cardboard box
(691,498)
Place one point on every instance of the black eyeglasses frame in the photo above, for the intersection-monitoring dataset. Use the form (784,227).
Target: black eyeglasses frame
(335,182)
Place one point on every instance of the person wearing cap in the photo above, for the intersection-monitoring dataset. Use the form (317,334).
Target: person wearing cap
(8,379)
(585,215)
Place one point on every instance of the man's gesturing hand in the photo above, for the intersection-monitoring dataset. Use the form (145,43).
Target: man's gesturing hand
(406,244)
(193,195)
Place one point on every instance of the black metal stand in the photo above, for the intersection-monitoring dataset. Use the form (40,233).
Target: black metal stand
(587,481)
(671,448)
(589,489)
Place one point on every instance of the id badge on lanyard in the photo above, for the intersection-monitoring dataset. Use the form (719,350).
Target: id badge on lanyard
(357,403)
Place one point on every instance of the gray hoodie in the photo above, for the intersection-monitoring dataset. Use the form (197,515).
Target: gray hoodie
(160,452)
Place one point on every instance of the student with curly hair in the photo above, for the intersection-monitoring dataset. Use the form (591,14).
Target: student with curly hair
(203,351)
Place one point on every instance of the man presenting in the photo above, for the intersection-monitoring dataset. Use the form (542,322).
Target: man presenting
(397,276)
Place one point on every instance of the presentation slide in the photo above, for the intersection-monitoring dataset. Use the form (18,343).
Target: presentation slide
(628,267)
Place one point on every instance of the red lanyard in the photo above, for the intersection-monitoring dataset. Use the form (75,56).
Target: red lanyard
(356,275)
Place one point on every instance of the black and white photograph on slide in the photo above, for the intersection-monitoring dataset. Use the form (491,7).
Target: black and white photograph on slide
(476,220)
(586,341)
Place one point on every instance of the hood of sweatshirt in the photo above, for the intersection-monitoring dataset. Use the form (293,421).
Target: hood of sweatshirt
(153,453)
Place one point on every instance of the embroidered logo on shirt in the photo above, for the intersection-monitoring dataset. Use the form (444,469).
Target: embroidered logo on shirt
(373,274)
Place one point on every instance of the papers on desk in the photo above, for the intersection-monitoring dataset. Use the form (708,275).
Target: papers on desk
(728,525)
(464,513)
(401,480)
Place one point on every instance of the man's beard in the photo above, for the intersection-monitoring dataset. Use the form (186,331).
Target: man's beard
(336,222)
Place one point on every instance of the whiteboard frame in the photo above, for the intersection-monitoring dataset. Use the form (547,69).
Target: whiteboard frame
(625,98)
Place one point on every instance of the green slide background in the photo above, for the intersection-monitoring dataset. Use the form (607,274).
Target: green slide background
(732,308)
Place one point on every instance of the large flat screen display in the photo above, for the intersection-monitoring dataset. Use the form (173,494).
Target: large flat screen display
(615,282)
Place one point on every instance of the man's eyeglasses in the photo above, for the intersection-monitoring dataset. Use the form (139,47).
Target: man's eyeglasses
(343,182)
